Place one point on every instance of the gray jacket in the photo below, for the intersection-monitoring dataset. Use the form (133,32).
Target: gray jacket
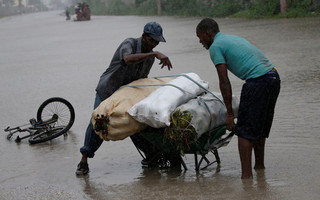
(118,73)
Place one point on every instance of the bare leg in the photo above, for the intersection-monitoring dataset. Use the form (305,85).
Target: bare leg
(84,158)
(258,147)
(245,151)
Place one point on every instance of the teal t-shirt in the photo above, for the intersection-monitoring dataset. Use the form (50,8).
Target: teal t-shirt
(242,58)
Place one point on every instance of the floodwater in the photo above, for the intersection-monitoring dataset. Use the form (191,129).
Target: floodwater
(42,55)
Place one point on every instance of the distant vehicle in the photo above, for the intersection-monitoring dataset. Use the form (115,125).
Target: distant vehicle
(82,12)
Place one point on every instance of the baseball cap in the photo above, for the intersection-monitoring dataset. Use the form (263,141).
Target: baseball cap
(155,31)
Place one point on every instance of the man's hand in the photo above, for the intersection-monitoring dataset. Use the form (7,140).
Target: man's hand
(230,123)
(140,57)
(164,60)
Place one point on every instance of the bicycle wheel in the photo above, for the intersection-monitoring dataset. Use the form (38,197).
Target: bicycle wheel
(46,135)
(59,107)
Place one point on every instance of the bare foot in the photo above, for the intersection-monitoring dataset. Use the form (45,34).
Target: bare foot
(246,177)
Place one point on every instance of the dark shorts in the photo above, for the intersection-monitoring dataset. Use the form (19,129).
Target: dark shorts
(257,103)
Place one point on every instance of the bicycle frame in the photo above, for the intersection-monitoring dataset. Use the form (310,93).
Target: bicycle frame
(35,128)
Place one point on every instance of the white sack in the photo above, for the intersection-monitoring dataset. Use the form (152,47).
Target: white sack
(155,110)
(208,112)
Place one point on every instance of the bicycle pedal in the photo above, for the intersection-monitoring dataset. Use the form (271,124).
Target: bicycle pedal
(18,139)
(33,121)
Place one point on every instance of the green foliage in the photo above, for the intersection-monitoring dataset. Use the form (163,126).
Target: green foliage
(181,7)
(301,4)
(224,8)
(180,132)
(148,7)
(271,8)
(298,12)
(117,7)
(211,8)
(188,7)
(265,8)
(97,7)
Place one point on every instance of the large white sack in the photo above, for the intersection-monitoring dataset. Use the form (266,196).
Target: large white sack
(155,110)
(121,124)
(208,111)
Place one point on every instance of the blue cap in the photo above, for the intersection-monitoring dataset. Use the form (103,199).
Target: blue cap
(154,30)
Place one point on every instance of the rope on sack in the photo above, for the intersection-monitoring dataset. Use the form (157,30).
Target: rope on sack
(188,77)
(182,90)
(155,85)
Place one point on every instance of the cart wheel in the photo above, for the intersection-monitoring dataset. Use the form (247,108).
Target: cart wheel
(59,107)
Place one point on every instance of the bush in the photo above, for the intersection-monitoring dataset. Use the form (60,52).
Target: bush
(228,7)
(97,7)
(298,12)
(117,7)
(265,8)
(211,8)
(181,7)
(148,7)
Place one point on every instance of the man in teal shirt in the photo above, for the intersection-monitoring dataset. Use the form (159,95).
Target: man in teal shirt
(258,96)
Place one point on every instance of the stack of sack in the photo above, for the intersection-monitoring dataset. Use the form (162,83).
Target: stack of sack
(159,102)
(203,113)
(189,121)
(155,110)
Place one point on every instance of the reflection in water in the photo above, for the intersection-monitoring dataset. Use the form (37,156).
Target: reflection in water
(89,187)
(176,184)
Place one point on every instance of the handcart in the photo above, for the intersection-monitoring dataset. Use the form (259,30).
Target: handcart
(208,142)
(202,136)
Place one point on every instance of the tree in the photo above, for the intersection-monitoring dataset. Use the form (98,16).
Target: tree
(159,7)
(283,4)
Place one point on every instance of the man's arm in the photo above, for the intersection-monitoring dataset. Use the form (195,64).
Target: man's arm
(226,91)
(140,57)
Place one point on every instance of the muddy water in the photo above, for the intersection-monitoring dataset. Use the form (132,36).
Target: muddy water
(42,55)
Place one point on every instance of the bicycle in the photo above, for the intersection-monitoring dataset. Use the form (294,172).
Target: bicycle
(55,116)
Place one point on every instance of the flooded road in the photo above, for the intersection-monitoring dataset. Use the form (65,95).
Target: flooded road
(42,55)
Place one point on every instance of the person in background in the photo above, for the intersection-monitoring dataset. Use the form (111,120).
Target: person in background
(132,60)
(67,14)
(258,95)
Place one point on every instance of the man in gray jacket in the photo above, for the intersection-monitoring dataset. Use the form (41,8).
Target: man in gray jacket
(132,61)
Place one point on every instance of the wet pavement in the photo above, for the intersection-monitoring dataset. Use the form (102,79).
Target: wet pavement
(42,55)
